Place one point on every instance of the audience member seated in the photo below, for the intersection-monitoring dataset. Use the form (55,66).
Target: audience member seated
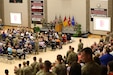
(20,53)
(9,49)
(58,43)
(16,46)
(3,36)
(64,38)
(53,44)
(32,44)
(42,45)
(69,38)
(56,35)
(29,48)
(1,48)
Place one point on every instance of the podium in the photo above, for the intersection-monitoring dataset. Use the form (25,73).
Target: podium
(58,27)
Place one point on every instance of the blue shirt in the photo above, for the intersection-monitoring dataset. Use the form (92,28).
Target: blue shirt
(106,58)
(9,50)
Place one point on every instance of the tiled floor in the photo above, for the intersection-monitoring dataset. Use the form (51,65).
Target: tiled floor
(49,55)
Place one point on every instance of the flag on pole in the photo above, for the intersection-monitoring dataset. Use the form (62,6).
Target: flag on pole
(60,20)
(73,21)
(56,20)
(65,22)
(69,21)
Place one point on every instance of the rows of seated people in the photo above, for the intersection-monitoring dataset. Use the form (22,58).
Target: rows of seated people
(94,60)
(19,42)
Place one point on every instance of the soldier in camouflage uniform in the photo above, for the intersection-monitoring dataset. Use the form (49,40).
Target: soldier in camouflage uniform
(36,46)
(72,57)
(23,68)
(90,67)
(18,71)
(35,66)
(68,52)
(46,69)
(60,67)
(80,45)
(28,69)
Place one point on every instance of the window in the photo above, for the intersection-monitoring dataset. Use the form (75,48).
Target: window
(15,1)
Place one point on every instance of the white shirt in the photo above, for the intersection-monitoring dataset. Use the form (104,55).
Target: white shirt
(111,53)
(31,37)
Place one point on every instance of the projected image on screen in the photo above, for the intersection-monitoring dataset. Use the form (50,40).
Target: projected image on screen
(15,18)
(102,23)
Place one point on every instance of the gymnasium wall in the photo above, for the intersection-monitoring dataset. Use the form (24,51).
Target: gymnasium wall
(76,8)
(1,10)
(93,4)
(16,7)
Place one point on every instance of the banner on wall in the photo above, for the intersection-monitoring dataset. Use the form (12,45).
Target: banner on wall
(102,23)
(15,18)
(98,12)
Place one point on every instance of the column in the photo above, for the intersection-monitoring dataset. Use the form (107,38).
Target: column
(110,12)
(87,15)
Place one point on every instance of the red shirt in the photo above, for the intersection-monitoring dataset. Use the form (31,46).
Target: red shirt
(111,73)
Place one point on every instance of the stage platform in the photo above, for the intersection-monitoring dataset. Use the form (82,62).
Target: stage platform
(64,31)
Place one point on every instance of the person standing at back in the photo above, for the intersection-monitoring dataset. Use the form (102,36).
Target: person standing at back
(90,67)
(60,67)
(68,52)
(28,69)
(36,46)
(46,69)
(18,70)
(80,45)
(35,67)
(23,68)
(107,38)
(72,57)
